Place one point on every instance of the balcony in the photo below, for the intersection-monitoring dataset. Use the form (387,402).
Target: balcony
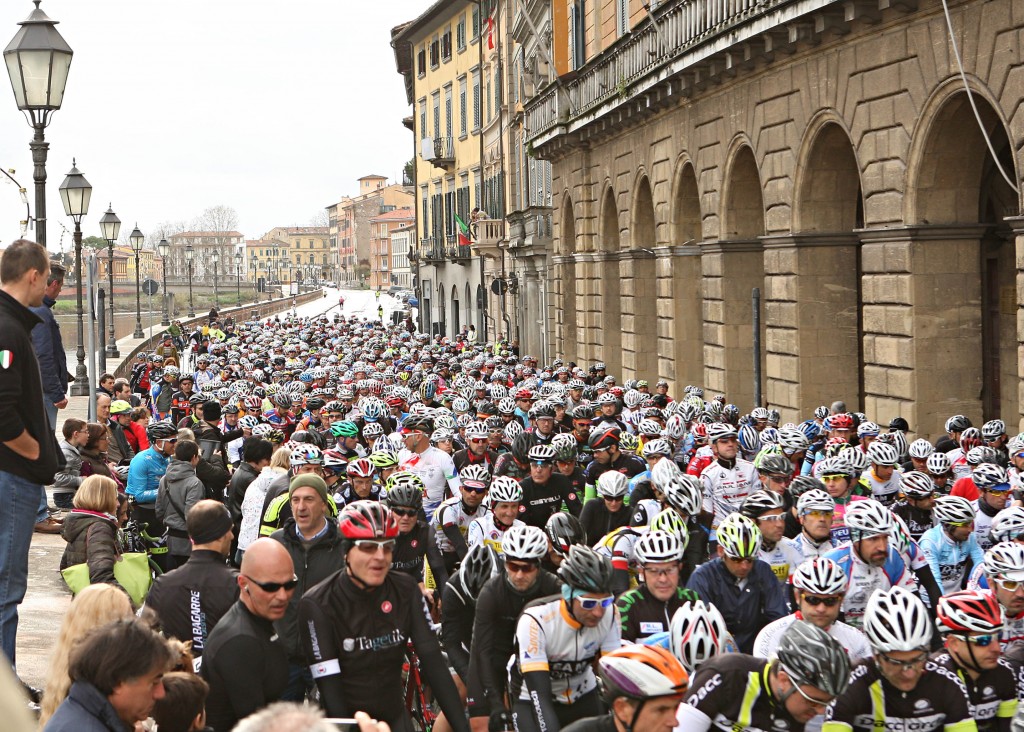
(444,153)
(488,237)
(459,253)
(432,251)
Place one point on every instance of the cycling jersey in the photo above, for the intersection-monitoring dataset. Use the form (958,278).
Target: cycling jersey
(783,558)
(809,548)
(948,558)
(642,614)
(507,465)
(864,579)
(619,546)
(485,530)
(992,695)
(726,486)
(870,703)
(733,693)
(983,515)
(917,520)
(345,494)
(644,512)
(457,612)
(465,457)
(436,469)
(454,515)
(883,491)
(853,640)
(702,457)
(541,501)
(629,465)
(597,520)
(413,548)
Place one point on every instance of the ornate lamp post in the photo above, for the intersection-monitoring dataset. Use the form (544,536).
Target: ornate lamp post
(256,276)
(38,60)
(189,253)
(75,193)
(216,295)
(110,226)
(238,277)
(137,239)
(165,249)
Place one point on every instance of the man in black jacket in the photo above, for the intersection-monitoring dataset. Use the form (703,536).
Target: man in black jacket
(255,456)
(192,599)
(28,448)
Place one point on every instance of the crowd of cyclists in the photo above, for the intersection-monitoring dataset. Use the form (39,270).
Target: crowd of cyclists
(555,549)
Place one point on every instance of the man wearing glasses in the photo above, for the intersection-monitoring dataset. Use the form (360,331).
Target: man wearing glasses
(648,609)
(1003,575)
(899,688)
(950,545)
(356,624)
(767,510)
(477,451)
(245,661)
(993,496)
(815,509)
(545,492)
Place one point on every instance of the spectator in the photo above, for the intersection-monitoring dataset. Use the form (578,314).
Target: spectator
(255,496)
(68,478)
(204,579)
(94,606)
(180,490)
(183,706)
(94,453)
(120,450)
(256,456)
(289,716)
(213,469)
(116,675)
(245,661)
(103,402)
(123,391)
(91,530)
(106,385)
(136,430)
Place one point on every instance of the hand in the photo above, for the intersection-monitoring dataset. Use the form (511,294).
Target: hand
(366,724)
(61,404)
(499,721)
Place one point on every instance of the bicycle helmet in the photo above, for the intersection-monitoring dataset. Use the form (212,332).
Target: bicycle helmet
(938,463)
(810,656)
(957,423)
(953,510)
(993,429)
(505,490)
(584,570)
(603,438)
(750,439)
(989,475)
(759,414)
(775,465)
(683,493)
(868,429)
(820,576)
(969,611)
(815,500)
(821,412)
(662,472)
(803,484)
(970,437)
(383,459)
(611,484)
(628,442)
(720,431)
(920,449)
(527,543)
(840,421)
(542,452)
(669,521)
(345,428)
(367,520)
(657,448)
(305,454)
(1007,525)
(565,531)
(172,371)
(642,672)
(675,427)
(475,476)
(248,422)
(658,546)
(739,537)
(696,633)
(418,423)
(897,620)
(916,484)
(507,405)
(867,518)
(760,502)
(476,431)
(157,431)
(404,479)
(793,440)
(480,565)
(513,432)
(361,468)
(880,453)
(334,461)
(857,461)
(1005,560)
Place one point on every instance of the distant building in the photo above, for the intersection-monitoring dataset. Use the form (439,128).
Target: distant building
(403,240)
(349,229)
(308,251)
(204,244)
(380,244)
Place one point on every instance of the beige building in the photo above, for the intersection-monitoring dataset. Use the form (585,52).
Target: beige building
(204,244)
(350,231)
(381,228)
(310,256)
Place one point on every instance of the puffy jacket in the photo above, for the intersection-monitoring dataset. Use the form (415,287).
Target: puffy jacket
(69,477)
(314,562)
(144,474)
(86,709)
(92,539)
(49,348)
(179,491)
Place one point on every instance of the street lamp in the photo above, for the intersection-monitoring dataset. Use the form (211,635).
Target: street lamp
(189,253)
(216,296)
(137,239)
(75,193)
(256,276)
(110,227)
(38,60)
(165,249)
(238,276)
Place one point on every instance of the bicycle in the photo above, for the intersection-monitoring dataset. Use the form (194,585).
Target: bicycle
(136,538)
(421,708)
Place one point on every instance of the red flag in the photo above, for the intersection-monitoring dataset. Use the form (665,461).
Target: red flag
(490,32)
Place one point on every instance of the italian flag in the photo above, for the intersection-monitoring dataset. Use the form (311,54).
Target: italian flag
(464,239)
(6,359)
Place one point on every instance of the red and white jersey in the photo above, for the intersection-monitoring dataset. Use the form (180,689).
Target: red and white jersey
(725,489)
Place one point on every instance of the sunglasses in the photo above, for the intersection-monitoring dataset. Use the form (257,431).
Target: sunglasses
(781,479)
(565,462)
(591,603)
(810,699)
(406,512)
(978,640)
(960,524)
(814,601)
(1001,491)
(541,463)
(272,587)
(820,514)
(369,546)
(913,663)
(583,423)
(740,560)
(613,499)
(475,488)
(772,517)
(829,478)
(521,567)
(478,440)
(1009,585)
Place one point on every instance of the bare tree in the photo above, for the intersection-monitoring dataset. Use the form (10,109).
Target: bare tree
(320,218)
(216,218)
(164,230)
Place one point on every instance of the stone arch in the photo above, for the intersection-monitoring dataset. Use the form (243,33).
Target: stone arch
(639,286)
(685,211)
(607,307)
(566,330)
(680,329)
(955,189)
(743,198)
(828,188)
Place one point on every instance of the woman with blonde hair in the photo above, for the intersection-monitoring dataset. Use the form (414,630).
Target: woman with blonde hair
(255,495)
(94,606)
(91,530)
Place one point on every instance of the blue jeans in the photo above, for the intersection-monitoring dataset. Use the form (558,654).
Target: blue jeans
(19,499)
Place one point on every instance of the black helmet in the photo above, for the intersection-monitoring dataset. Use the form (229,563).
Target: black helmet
(315,403)
(604,438)
(564,530)
(479,566)
(161,431)
(583,411)
(760,502)
(489,409)
(521,448)
(405,495)
(775,465)
(420,422)
(803,483)
(811,656)
(310,437)
(544,409)
(586,570)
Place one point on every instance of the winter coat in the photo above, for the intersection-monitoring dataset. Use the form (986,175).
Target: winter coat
(179,491)
(95,463)
(92,538)
(85,709)
(69,477)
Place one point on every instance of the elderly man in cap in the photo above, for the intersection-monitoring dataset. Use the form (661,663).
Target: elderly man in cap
(192,599)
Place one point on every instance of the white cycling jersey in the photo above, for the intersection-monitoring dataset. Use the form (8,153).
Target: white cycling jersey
(484,531)
(809,548)
(982,526)
(883,491)
(726,488)
(644,511)
(453,512)
(436,469)
(783,558)
(853,640)
(864,579)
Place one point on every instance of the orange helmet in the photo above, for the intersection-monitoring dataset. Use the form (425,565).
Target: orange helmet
(643,672)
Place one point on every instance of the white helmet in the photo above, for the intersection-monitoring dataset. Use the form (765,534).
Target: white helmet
(658,546)
(683,493)
(1005,560)
(505,490)
(897,620)
(612,484)
(815,500)
(820,576)
(880,453)
(1007,525)
(921,449)
(662,472)
(867,518)
(792,440)
(696,633)
(939,463)
(953,510)
(524,542)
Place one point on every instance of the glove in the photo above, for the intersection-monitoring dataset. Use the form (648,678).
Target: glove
(499,721)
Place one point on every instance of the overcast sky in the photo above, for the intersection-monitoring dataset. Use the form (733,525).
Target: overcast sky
(273,108)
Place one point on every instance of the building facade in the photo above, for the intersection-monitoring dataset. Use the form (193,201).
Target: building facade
(204,244)
(403,240)
(310,256)
(350,229)
(380,245)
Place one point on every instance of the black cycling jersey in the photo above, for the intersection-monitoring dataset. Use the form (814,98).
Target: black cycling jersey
(457,613)
(939,701)
(642,614)
(464,457)
(993,695)
(541,502)
(629,465)
(604,723)
(347,495)
(733,691)
(507,465)
(412,548)
(917,520)
(598,521)
(355,642)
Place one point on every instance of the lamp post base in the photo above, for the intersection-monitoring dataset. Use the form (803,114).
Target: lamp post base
(191,313)
(139,333)
(81,385)
(112,351)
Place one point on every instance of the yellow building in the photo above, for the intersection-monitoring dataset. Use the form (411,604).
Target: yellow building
(310,255)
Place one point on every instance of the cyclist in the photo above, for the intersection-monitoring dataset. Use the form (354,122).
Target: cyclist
(1004,575)
(818,588)
(557,642)
(695,633)
(765,508)
(971,623)
(355,626)
(994,486)
(734,691)
(434,466)
(642,688)
(728,480)
(815,509)
(740,585)
(477,450)
(360,485)
(563,531)
(899,688)
(774,472)
(917,503)
(415,543)
(952,544)
(145,472)
(544,493)
(497,610)
(505,497)
(882,480)
(451,521)
(604,444)
(608,511)
(870,563)
(648,608)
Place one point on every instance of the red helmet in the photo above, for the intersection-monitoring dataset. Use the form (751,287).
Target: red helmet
(367,520)
(700,430)
(970,611)
(840,422)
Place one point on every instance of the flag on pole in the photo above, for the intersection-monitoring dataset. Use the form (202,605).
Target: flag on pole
(464,239)
(490,30)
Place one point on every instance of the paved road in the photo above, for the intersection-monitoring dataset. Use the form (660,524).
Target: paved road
(47,599)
